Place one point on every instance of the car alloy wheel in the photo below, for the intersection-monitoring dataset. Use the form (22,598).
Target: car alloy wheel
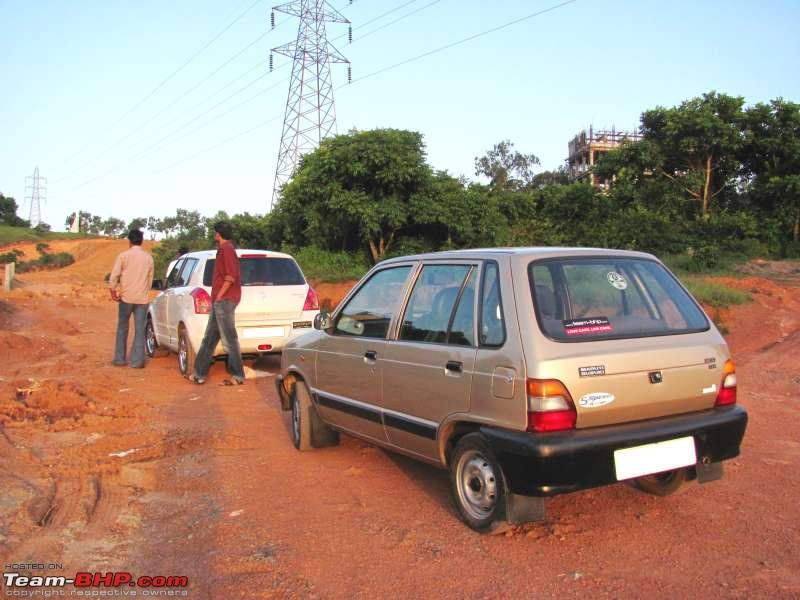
(150,343)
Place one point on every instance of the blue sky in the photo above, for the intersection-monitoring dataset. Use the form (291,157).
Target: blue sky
(79,79)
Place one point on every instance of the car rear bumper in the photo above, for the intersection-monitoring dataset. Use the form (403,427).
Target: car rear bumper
(253,345)
(546,464)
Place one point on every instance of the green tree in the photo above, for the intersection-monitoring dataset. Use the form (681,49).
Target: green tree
(354,190)
(697,145)
(8,213)
(771,158)
(450,213)
(138,223)
(190,224)
(113,226)
(505,168)
(251,231)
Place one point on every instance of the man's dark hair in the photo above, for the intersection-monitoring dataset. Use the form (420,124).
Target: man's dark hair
(183,250)
(225,229)
(135,237)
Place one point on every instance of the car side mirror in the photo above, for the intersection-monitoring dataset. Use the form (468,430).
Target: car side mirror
(323,321)
(158,284)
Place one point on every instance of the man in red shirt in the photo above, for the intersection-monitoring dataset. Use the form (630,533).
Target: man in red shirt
(226,292)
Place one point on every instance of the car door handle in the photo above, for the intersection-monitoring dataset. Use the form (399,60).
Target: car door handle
(454,365)
(371,355)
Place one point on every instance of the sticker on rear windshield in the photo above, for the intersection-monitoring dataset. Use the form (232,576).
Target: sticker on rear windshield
(587,326)
(617,280)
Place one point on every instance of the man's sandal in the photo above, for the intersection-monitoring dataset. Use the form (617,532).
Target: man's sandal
(195,379)
(232,381)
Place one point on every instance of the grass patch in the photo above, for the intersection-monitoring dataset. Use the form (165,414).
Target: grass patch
(722,265)
(12,235)
(716,294)
(330,267)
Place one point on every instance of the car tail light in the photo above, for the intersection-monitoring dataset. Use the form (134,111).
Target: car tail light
(202,301)
(312,300)
(727,390)
(550,407)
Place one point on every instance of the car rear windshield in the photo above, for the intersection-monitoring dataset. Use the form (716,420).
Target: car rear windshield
(262,270)
(588,299)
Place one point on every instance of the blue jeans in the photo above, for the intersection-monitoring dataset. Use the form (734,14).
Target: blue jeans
(221,325)
(123,319)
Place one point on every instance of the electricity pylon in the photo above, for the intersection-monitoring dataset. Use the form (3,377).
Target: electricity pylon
(36,190)
(310,116)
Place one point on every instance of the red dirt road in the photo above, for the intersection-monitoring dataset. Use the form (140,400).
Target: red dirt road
(114,469)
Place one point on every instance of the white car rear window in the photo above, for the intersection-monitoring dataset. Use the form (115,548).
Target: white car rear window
(262,270)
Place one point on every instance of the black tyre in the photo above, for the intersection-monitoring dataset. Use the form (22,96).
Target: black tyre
(185,353)
(301,418)
(662,484)
(150,343)
(151,346)
(478,485)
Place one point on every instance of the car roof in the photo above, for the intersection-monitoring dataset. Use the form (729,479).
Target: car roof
(239,252)
(532,252)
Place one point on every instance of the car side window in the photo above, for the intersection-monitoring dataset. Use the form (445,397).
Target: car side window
(186,272)
(432,303)
(492,325)
(173,275)
(369,312)
(462,331)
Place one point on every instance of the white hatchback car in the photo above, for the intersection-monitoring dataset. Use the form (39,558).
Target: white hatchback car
(277,305)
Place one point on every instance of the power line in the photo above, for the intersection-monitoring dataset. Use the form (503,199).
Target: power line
(170,76)
(191,58)
(464,40)
(260,64)
(390,23)
(418,57)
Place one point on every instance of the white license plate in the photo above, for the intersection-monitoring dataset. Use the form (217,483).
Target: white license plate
(263,332)
(654,458)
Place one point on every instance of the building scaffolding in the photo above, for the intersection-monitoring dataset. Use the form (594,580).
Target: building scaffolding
(586,147)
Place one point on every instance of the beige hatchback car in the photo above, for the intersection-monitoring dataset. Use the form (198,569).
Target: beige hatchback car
(527,372)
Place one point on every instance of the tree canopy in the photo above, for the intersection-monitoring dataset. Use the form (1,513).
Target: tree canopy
(355,189)
(8,213)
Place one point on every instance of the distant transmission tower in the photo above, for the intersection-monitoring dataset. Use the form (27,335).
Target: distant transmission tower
(310,115)
(36,192)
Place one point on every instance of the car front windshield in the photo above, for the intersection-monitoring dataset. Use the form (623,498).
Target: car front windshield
(589,299)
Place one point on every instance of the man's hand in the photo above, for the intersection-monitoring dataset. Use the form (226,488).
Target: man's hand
(114,295)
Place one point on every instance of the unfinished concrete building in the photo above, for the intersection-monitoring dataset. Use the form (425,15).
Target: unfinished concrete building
(586,147)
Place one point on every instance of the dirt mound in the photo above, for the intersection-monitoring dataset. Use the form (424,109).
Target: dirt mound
(62,326)
(17,346)
(773,314)
(785,271)
(49,402)
(330,294)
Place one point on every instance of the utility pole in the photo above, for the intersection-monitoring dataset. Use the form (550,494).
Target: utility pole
(36,191)
(310,116)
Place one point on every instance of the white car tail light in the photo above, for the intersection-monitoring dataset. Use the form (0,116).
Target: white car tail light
(202,301)
(312,300)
